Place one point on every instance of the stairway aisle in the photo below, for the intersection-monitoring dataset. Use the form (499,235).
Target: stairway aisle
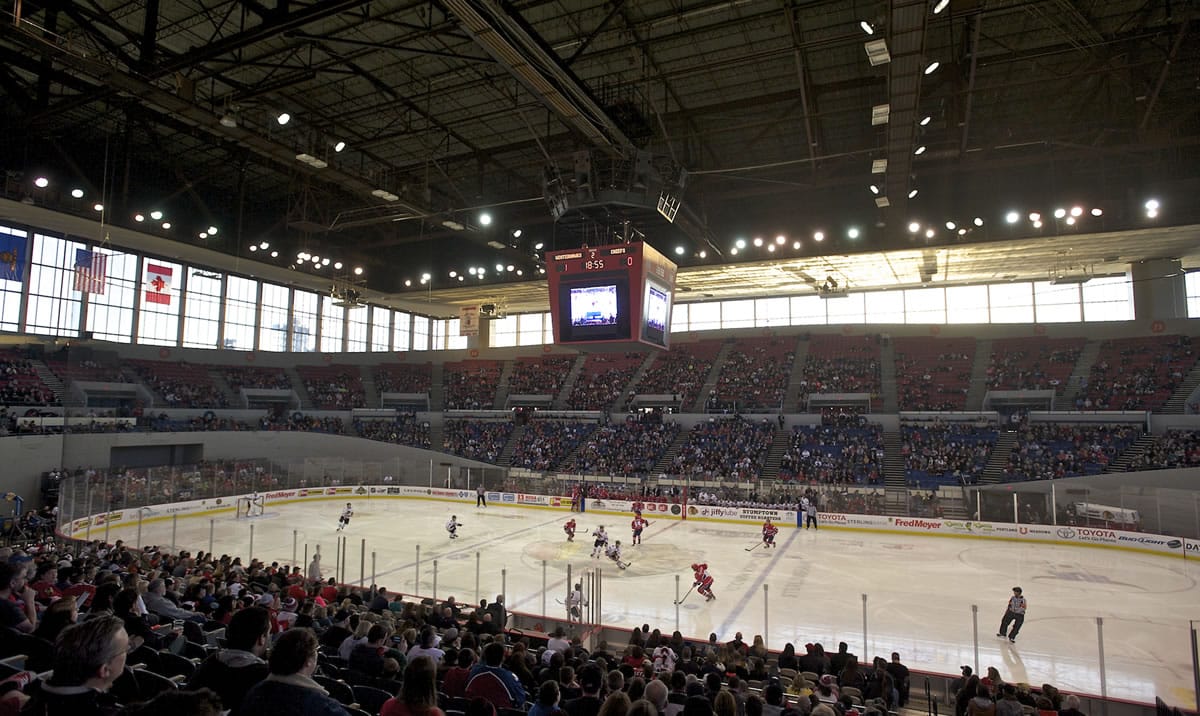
(564,393)
(993,472)
(505,457)
(218,379)
(664,463)
(791,398)
(1083,368)
(500,399)
(979,387)
(1136,450)
(781,440)
(367,375)
(895,480)
(293,375)
(710,382)
(1177,403)
(437,392)
(51,379)
(887,377)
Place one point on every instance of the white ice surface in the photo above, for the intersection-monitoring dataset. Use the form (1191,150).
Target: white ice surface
(919,589)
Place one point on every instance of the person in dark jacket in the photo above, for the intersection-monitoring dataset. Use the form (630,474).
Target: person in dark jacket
(289,689)
(88,658)
(368,658)
(232,671)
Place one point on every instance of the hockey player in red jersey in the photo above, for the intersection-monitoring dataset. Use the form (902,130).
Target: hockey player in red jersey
(569,528)
(703,581)
(639,523)
(768,533)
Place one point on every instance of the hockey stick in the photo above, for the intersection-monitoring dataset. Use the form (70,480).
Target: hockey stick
(685,596)
(756,546)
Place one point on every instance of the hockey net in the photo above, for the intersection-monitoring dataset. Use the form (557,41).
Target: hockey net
(249,507)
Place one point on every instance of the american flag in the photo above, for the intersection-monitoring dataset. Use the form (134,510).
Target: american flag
(91,271)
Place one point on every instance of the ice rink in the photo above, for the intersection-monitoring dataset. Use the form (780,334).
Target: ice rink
(919,590)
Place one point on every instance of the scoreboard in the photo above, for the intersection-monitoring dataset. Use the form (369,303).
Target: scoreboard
(611,296)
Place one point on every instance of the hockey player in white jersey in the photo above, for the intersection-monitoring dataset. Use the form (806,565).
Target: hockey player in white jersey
(600,541)
(452,526)
(347,513)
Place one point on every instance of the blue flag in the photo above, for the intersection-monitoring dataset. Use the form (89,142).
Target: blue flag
(12,257)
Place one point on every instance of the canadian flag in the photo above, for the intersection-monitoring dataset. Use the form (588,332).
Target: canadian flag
(158,283)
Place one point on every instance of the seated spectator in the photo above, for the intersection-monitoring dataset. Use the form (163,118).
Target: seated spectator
(494,683)
(418,695)
(203,702)
(454,683)
(591,681)
(58,616)
(289,689)
(427,646)
(367,657)
(547,700)
(18,608)
(88,658)
(158,604)
(233,670)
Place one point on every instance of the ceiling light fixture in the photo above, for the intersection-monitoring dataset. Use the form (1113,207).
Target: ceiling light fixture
(913,194)
(156,215)
(77,193)
(339,146)
(950,225)
(913,227)
(1012,217)
(538,246)
(204,234)
(679,250)
(740,243)
(338,265)
(919,150)
(781,239)
(771,248)
(733,251)
(852,232)
(166,225)
(1060,213)
(874,189)
(212,230)
(758,241)
(98,206)
(264,245)
(1034,216)
(1076,211)
(1097,212)
(324,262)
(283,118)
(517,233)
(139,218)
(253,248)
(818,236)
(1037,223)
(796,245)
(867,27)
(978,221)
(925,120)
(41,182)
(703,254)
(274,254)
(485,219)
(930,233)
(933,67)
(358,270)
(940,5)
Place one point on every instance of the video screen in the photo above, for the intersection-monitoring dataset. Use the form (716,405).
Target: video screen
(656,314)
(594,306)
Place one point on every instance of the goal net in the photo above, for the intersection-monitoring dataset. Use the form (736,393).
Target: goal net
(249,507)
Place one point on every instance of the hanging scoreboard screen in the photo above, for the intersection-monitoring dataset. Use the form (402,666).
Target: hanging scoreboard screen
(611,296)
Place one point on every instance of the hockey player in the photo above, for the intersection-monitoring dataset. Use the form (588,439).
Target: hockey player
(452,526)
(575,601)
(639,523)
(347,513)
(768,532)
(703,581)
(600,542)
(614,553)
(569,528)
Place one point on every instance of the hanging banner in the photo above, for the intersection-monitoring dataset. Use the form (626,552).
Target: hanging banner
(468,321)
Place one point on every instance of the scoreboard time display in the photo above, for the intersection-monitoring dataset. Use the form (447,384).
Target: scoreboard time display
(611,295)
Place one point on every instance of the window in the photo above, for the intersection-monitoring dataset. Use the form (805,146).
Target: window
(381,328)
(241,313)
(504,332)
(679,318)
(967,304)
(54,304)
(110,314)
(530,330)
(454,341)
(850,309)
(401,331)
(439,335)
(273,331)
(885,307)
(808,311)
(925,305)
(420,333)
(333,326)
(304,321)
(705,316)
(10,291)
(771,312)
(158,318)
(1191,281)
(1108,299)
(202,308)
(356,329)
(1056,304)
(737,314)
(1011,302)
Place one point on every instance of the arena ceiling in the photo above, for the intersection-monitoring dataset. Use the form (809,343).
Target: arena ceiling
(755,115)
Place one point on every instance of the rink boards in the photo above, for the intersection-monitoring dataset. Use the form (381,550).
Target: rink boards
(94,526)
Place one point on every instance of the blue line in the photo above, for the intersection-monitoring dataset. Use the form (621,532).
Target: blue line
(741,605)
(467,549)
